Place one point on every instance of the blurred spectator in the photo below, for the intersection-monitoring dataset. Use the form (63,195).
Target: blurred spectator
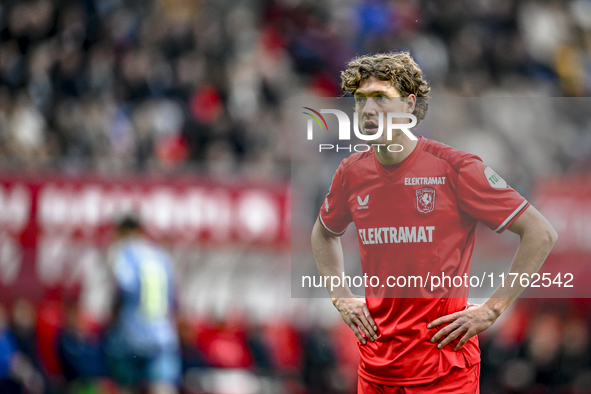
(320,367)
(79,350)
(17,373)
(49,320)
(8,352)
(24,319)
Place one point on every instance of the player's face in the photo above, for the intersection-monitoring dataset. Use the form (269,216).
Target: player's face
(374,97)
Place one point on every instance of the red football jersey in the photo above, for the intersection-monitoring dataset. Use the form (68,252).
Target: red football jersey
(414,217)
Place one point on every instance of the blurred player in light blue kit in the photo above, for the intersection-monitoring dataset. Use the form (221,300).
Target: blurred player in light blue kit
(142,345)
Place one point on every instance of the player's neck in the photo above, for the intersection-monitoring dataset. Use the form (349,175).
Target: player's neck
(387,158)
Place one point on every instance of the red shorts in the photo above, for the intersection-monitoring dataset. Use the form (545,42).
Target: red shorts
(458,380)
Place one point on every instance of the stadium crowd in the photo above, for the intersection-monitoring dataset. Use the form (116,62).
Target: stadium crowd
(122,85)
(541,347)
(179,85)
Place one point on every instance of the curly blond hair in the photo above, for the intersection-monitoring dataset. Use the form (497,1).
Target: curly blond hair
(397,67)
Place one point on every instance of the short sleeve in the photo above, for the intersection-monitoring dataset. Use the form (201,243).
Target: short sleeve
(124,272)
(334,213)
(486,197)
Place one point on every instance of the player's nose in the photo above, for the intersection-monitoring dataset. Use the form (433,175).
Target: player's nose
(371,107)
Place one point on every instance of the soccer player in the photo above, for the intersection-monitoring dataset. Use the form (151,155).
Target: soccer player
(142,345)
(417,208)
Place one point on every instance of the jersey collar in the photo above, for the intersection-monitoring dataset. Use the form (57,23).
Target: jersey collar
(392,172)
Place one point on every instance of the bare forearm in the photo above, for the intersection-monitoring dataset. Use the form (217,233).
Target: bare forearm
(535,245)
(329,259)
(537,239)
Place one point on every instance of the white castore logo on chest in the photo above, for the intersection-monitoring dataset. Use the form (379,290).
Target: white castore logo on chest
(363,203)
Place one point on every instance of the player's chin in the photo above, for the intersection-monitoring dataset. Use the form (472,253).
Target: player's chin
(374,139)
(378,141)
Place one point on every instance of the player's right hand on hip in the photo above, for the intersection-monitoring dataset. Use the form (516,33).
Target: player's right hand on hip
(356,315)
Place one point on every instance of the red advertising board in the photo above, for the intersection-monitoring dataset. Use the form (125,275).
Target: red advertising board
(53,226)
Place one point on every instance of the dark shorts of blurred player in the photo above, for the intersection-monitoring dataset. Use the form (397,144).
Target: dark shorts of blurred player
(459,380)
(133,370)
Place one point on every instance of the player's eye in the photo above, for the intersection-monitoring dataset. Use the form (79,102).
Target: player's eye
(360,100)
(381,98)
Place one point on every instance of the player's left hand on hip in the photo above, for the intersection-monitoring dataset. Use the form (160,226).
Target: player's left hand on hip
(465,324)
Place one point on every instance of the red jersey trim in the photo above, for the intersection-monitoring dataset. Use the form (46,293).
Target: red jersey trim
(329,230)
(520,209)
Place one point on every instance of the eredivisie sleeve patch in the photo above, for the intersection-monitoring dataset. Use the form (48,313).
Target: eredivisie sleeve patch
(485,196)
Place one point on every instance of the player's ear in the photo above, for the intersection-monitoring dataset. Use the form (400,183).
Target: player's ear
(411,102)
